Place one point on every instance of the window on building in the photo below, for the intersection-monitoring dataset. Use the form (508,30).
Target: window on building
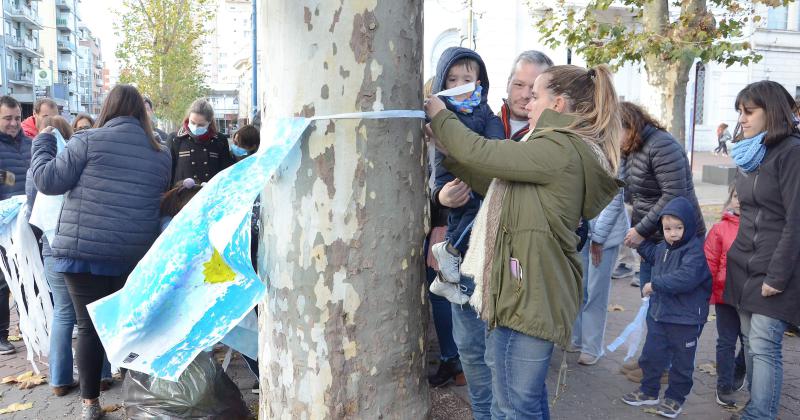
(777,17)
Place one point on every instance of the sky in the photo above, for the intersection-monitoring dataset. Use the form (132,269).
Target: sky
(99,16)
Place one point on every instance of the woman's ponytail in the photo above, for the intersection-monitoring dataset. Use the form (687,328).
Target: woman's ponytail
(593,100)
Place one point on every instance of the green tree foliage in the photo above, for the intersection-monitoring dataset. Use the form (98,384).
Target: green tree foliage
(160,47)
(667,36)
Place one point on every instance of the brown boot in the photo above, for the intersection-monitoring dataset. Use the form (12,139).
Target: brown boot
(635,375)
(461,380)
(629,366)
(62,390)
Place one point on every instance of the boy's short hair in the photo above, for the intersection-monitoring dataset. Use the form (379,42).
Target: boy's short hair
(249,137)
(468,62)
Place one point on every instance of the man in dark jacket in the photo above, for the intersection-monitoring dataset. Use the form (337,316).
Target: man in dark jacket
(527,67)
(679,290)
(15,159)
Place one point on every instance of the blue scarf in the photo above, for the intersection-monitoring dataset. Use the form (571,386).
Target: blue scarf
(748,153)
(466,106)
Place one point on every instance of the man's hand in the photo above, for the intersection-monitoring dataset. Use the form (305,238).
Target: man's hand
(433,105)
(454,194)
(633,239)
(647,290)
(767,290)
(596,250)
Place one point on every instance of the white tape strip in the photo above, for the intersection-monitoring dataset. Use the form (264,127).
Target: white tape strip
(373,115)
(458,90)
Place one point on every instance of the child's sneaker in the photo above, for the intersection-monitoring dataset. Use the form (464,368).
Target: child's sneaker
(637,398)
(450,291)
(449,264)
(669,408)
(725,397)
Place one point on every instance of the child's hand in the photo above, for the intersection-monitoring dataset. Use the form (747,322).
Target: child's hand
(647,290)
(633,239)
(433,105)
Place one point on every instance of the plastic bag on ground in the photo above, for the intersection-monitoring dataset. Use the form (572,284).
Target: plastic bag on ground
(203,391)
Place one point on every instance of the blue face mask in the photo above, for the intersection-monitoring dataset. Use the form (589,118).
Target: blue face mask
(238,151)
(197,130)
(466,106)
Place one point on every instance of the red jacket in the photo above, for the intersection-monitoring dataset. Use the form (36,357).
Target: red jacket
(718,242)
(29,127)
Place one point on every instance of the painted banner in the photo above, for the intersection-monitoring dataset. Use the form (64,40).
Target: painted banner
(196,283)
(23,271)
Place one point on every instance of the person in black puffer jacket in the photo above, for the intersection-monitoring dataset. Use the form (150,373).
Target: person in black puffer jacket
(656,171)
(112,178)
(763,276)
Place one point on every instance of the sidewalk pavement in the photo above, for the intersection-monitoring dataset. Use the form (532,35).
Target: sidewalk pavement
(48,406)
(593,392)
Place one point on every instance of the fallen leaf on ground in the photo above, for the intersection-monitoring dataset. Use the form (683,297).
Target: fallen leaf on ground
(14,338)
(790,334)
(13,408)
(708,368)
(712,317)
(111,408)
(25,380)
(615,307)
(650,410)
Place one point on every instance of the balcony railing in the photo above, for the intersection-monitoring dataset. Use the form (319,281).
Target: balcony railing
(66,66)
(64,23)
(65,45)
(64,4)
(24,15)
(28,47)
(20,78)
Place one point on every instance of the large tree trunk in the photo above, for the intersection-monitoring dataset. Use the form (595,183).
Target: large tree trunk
(668,76)
(342,329)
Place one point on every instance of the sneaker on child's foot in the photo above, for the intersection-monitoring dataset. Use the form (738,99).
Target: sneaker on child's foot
(449,264)
(637,398)
(669,408)
(450,291)
(725,397)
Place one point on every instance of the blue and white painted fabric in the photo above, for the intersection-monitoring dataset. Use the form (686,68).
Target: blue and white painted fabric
(197,283)
(46,208)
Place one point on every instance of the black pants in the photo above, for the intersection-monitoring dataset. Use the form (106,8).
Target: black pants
(722,147)
(5,308)
(85,288)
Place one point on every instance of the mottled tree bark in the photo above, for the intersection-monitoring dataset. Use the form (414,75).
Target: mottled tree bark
(342,329)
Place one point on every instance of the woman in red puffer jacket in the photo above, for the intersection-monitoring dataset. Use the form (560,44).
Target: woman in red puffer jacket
(730,368)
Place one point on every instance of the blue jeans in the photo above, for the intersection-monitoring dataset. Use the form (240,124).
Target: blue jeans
(763,337)
(521,364)
(728,332)
(442,321)
(61,330)
(670,346)
(590,325)
(470,334)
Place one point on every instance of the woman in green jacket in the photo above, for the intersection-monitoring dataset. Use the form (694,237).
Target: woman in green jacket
(522,255)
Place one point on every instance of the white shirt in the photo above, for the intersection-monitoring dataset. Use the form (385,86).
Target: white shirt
(517,125)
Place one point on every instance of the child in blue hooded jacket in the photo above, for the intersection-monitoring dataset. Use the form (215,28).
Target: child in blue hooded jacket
(460,66)
(679,290)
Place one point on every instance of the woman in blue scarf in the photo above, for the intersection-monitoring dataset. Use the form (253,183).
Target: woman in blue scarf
(763,274)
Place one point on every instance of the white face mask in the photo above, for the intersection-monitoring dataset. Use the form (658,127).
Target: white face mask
(198,130)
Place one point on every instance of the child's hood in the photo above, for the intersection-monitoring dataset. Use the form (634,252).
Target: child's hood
(450,56)
(681,208)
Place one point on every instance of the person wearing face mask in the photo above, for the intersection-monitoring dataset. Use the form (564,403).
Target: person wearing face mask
(245,142)
(198,150)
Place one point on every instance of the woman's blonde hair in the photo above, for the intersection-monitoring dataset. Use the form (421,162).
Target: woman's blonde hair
(592,99)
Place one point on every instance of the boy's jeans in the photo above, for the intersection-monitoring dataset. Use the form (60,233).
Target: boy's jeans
(470,334)
(521,364)
(664,340)
(590,325)
(728,333)
(61,331)
(763,340)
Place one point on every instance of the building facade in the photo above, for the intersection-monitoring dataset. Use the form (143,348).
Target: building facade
(21,51)
(90,72)
(499,33)
(228,42)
